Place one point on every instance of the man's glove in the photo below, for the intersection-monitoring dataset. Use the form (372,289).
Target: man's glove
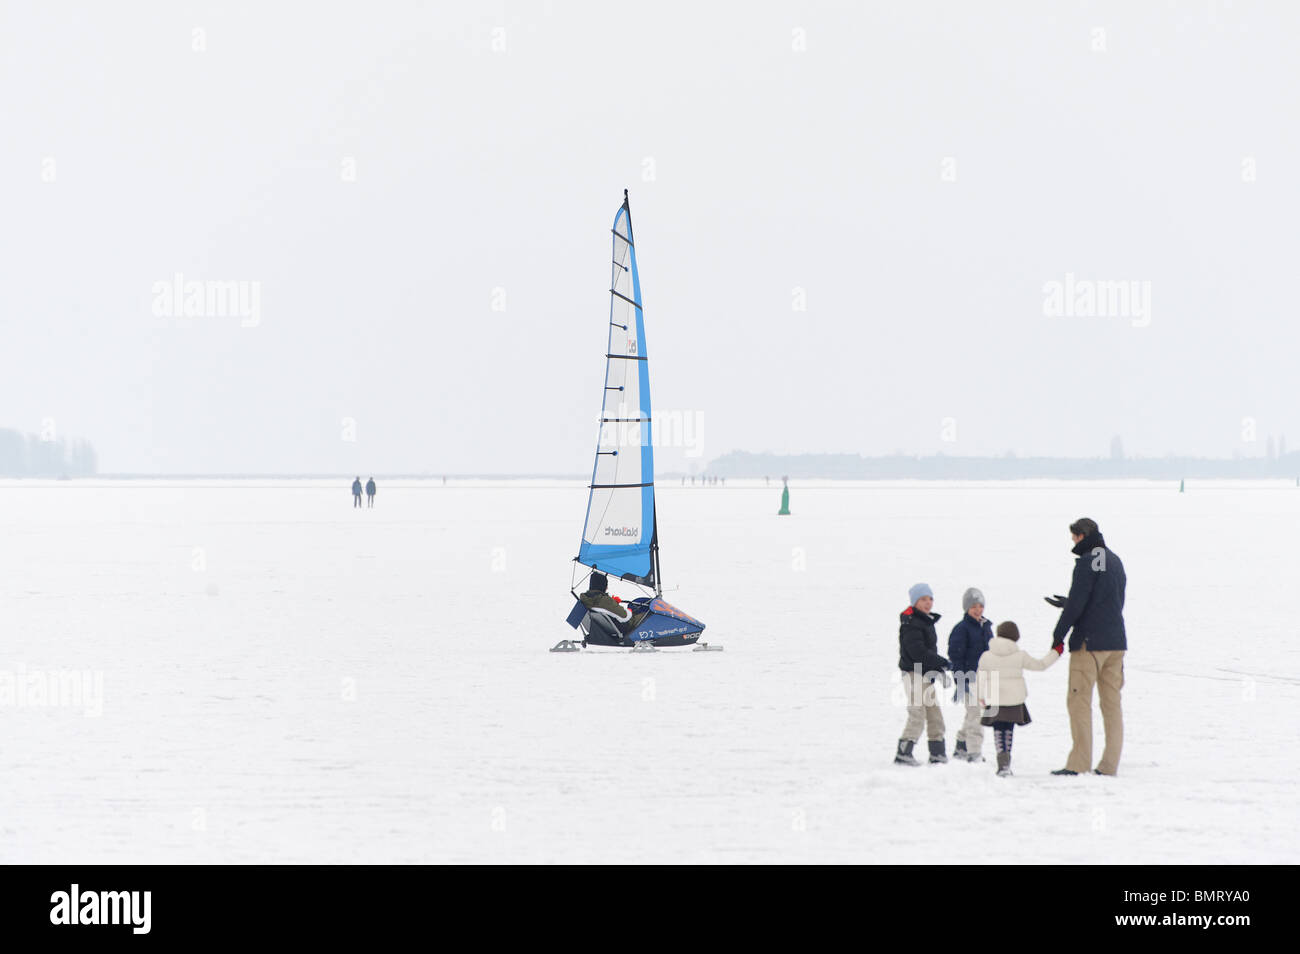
(1058,600)
(1060,649)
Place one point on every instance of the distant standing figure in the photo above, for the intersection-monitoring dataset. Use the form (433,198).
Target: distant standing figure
(1095,611)
(370,492)
(356,492)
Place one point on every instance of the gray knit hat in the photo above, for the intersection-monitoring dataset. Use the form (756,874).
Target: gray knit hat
(970,598)
(919,590)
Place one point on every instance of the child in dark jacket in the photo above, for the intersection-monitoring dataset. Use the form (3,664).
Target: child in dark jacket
(920,662)
(969,641)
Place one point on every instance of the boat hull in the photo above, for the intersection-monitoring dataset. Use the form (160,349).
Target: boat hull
(662,625)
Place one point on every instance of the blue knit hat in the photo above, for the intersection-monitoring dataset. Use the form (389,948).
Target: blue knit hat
(919,590)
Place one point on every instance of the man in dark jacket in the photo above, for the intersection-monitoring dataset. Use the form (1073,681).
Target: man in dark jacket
(920,662)
(1095,611)
(370,492)
(356,493)
(598,600)
(967,642)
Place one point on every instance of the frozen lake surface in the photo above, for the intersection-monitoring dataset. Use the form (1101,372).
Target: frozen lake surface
(287,679)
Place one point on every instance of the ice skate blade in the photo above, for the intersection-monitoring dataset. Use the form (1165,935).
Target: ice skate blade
(706,648)
(567,646)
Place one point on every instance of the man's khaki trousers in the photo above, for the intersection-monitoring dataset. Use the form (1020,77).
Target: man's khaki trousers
(1105,670)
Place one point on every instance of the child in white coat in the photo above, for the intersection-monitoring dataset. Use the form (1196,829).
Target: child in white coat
(1000,685)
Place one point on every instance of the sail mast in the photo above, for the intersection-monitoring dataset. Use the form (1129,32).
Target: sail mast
(654,538)
(654,557)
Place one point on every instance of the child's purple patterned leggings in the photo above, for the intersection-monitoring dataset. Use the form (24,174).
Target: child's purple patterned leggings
(1002,735)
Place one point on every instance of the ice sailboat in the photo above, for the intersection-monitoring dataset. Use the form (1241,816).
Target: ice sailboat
(620,537)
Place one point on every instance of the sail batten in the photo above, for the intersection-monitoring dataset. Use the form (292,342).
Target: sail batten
(619,535)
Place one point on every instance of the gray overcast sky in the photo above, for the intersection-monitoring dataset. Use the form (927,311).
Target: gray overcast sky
(792,145)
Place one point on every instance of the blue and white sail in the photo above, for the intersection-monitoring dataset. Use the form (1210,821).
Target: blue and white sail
(619,537)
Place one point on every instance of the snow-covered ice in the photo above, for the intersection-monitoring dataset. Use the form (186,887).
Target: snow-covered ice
(288,679)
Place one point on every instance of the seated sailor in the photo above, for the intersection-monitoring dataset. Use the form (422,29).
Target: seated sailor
(598,600)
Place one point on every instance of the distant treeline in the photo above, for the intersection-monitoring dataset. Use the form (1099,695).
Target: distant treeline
(27,455)
(941,467)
